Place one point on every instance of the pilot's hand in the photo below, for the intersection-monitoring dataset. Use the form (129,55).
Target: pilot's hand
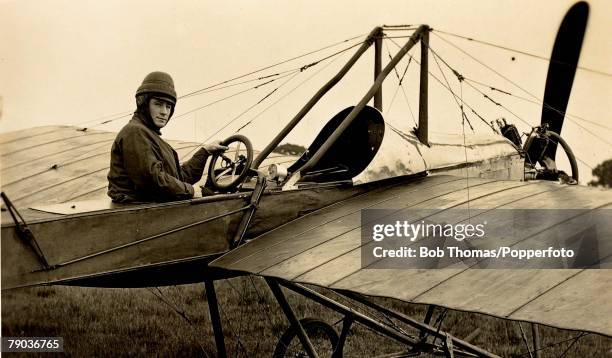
(215,147)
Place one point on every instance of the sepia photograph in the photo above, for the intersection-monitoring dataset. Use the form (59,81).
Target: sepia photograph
(267,178)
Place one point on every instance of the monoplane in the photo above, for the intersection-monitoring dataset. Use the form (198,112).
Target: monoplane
(296,220)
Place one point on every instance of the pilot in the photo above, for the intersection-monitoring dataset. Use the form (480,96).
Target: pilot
(143,167)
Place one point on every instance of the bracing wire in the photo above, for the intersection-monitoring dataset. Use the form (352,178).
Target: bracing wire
(516,85)
(276,64)
(337,57)
(452,92)
(522,52)
(250,121)
(524,337)
(536,102)
(232,95)
(461,78)
(231,326)
(238,83)
(460,105)
(572,344)
(401,84)
(467,176)
(582,334)
(251,107)
(496,102)
(124,114)
(181,313)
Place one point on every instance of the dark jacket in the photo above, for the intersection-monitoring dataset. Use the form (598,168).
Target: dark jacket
(143,167)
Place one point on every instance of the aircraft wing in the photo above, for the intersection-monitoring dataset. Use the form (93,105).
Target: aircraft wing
(58,164)
(323,248)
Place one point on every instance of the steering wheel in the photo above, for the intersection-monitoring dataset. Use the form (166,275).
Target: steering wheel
(235,163)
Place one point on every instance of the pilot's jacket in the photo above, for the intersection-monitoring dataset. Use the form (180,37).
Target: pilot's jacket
(144,167)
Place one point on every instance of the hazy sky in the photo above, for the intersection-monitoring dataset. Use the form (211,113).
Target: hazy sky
(67,62)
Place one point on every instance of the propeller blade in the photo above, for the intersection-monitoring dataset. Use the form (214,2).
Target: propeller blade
(562,68)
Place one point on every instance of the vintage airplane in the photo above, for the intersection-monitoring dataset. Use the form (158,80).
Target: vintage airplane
(301,224)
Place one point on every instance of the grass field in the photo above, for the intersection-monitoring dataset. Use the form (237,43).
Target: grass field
(174,321)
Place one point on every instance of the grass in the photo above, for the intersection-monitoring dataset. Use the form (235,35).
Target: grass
(174,321)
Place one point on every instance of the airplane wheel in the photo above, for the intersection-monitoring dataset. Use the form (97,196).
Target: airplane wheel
(322,335)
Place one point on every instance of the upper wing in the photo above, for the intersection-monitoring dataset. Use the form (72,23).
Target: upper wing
(323,248)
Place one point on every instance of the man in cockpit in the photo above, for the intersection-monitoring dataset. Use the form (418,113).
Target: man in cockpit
(143,167)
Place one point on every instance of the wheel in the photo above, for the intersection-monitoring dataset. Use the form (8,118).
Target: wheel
(234,171)
(323,337)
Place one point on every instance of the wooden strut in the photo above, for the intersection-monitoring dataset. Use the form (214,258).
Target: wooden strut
(535,332)
(422,131)
(311,103)
(375,36)
(423,327)
(248,216)
(378,96)
(348,312)
(215,318)
(366,98)
(347,322)
(428,315)
(24,232)
(293,320)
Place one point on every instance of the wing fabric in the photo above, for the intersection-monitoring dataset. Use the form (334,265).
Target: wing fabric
(323,248)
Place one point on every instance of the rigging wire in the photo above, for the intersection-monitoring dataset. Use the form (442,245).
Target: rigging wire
(241,114)
(181,313)
(251,107)
(467,177)
(242,310)
(121,114)
(399,27)
(497,103)
(517,85)
(438,322)
(401,85)
(536,102)
(289,92)
(108,121)
(452,92)
(285,74)
(238,83)
(273,91)
(522,52)
(229,321)
(582,334)
(506,108)
(206,89)
(277,64)
(460,105)
(230,96)
(525,339)
(486,66)
(272,104)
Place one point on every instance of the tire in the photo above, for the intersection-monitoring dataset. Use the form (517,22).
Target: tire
(322,335)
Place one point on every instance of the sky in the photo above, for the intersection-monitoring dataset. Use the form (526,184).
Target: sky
(73,62)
